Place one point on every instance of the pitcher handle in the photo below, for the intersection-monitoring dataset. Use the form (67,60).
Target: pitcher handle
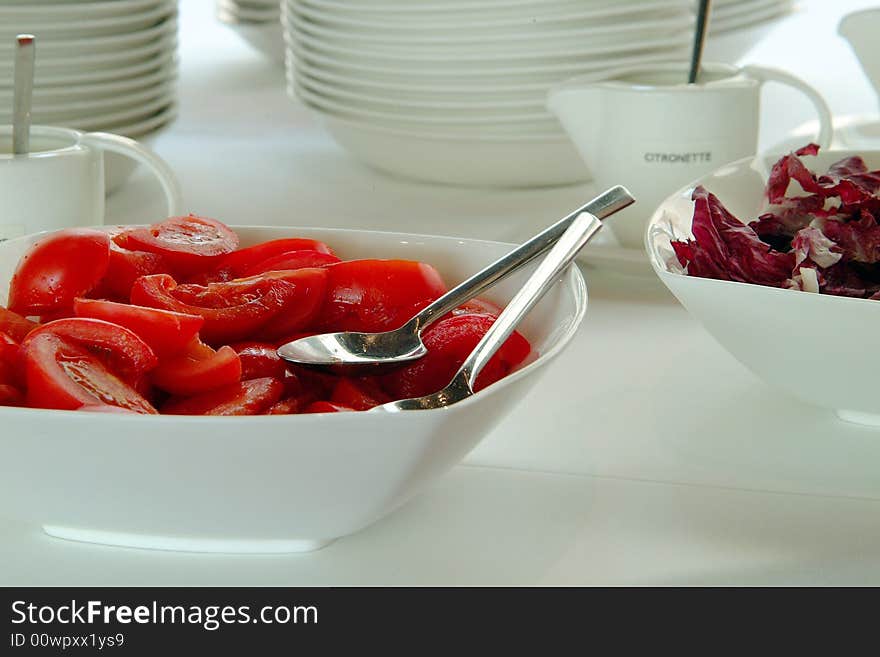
(106,141)
(764,74)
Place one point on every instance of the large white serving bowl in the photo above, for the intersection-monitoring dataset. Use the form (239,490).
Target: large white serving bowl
(810,346)
(270,483)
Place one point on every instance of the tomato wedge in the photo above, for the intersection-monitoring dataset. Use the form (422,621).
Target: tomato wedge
(237,310)
(377,295)
(188,244)
(246,398)
(198,369)
(63,375)
(10,395)
(11,372)
(238,263)
(124,268)
(359,394)
(164,331)
(326,407)
(57,269)
(259,360)
(120,349)
(292,260)
(449,342)
(14,325)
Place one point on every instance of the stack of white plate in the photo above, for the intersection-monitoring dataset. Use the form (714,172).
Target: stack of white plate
(257,22)
(106,65)
(738,25)
(454,91)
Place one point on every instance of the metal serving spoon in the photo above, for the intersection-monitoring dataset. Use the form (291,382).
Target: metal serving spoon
(546,275)
(349,350)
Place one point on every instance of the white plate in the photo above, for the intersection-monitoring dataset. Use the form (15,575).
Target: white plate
(106,120)
(494,73)
(748,20)
(403,101)
(567,35)
(502,9)
(74,10)
(429,113)
(422,83)
(553,52)
(525,123)
(539,16)
(82,26)
(100,75)
(96,104)
(851,132)
(60,50)
(50,95)
(100,61)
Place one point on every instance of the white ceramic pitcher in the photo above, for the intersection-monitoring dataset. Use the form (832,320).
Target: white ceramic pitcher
(860,28)
(60,182)
(647,129)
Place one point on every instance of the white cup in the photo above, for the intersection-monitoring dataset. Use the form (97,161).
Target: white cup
(647,129)
(60,183)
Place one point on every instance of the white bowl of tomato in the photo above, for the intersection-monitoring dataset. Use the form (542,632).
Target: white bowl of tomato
(143,404)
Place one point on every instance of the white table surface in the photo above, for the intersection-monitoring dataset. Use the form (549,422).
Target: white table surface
(648,456)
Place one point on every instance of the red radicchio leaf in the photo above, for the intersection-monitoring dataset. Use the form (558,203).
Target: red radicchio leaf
(725,248)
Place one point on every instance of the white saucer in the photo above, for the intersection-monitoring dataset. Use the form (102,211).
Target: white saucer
(604,252)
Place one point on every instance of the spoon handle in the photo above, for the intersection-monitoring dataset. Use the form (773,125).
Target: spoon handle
(611,201)
(700,30)
(545,276)
(23,93)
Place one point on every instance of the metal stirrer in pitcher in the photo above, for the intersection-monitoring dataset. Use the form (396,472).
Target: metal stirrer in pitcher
(25,52)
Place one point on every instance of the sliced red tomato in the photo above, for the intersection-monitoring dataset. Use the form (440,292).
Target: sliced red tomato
(319,384)
(259,360)
(449,342)
(238,263)
(197,369)
(326,407)
(237,310)
(63,375)
(57,269)
(166,332)
(291,405)
(292,260)
(104,408)
(11,371)
(359,394)
(15,325)
(189,244)
(120,349)
(377,295)
(10,395)
(246,398)
(125,267)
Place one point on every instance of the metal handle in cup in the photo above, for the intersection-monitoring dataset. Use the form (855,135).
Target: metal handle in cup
(106,141)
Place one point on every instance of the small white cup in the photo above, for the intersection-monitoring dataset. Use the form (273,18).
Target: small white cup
(646,128)
(60,183)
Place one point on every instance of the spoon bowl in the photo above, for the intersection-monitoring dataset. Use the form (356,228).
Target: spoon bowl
(344,352)
(349,351)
